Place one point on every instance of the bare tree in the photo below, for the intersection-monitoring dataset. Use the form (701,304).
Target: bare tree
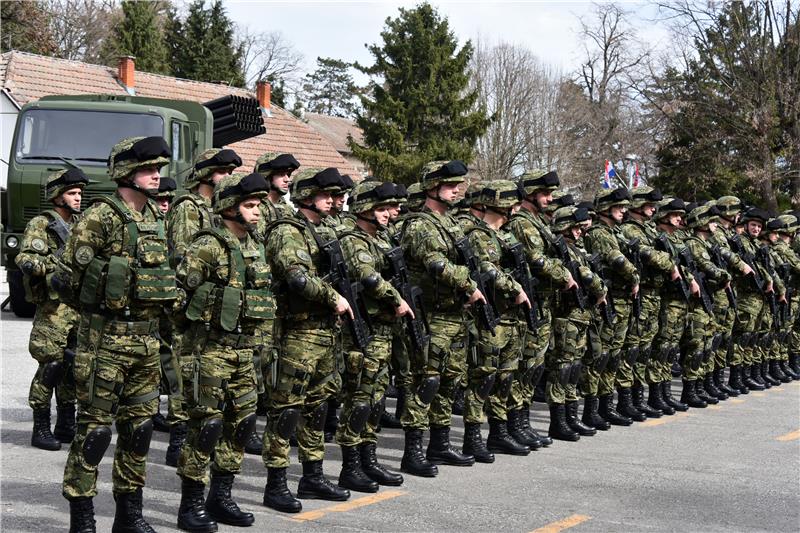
(81,27)
(269,55)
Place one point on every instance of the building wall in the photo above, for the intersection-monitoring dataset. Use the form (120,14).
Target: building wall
(8,118)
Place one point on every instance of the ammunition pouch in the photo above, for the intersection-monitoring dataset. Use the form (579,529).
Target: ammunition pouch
(209,434)
(427,389)
(95,445)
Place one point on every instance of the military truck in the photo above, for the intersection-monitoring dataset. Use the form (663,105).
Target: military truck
(58,132)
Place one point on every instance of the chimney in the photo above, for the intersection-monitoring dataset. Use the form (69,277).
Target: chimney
(263,95)
(127,73)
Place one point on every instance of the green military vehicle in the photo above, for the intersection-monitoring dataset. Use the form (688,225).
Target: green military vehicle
(61,131)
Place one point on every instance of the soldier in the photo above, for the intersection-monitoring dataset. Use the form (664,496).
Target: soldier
(782,265)
(366,371)
(304,376)
(55,322)
(772,316)
(338,216)
(120,269)
(429,241)
(495,354)
(226,279)
(532,230)
(189,214)
(781,231)
(605,238)
(277,169)
(166,193)
(657,267)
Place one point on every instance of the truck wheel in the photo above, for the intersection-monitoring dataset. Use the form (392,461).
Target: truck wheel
(21,307)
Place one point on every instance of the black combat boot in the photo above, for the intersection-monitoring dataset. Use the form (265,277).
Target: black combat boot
(160,423)
(81,516)
(192,514)
(518,433)
(500,441)
(575,423)
(637,395)
(177,436)
(719,380)
(794,363)
(657,401)
(750,381)
(221,506)
(689,395)
(711,388)
(352,476)
(758,377)
(703,394)
(591,417)
(677,370)
(735,380)
(525,426)
(787,369)
(414,461)
(254,444)
(64,430)
(42,437)
(559,429)
(331,420)
(374,470)
(625,405)
(441,452)
(128,517)
(474,445)
(766,376)
(610,414)
(666,394)
(314,485)
(277,495)
(777,373)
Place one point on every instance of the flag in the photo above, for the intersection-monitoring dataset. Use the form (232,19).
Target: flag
(638,181)
(608,174)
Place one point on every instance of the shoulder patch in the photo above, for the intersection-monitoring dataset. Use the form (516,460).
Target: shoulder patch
(303,255)
(39,245)
(364,257)
(193,279)
(84,255)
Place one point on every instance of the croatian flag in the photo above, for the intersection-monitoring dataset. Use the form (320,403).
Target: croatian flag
(636,180)
(608,175)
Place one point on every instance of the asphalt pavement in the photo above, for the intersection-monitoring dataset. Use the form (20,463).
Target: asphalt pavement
(732,467)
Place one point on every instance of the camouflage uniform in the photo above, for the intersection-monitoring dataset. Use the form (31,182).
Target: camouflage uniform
(117,364)
(55,322)
(788,264)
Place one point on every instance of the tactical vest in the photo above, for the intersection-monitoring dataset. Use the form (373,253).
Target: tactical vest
(206,213)
(502,242)
(37,290)
(244,298)
(141,275)
(375,308)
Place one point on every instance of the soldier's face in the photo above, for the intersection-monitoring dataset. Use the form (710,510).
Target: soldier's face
(163,204)
(72,198)
(251,213)
(543,198)
(576,232)
(382,214)
(394,211)
(219,174)
(448,192)
(617,212)
(674,219)
(323,201)
(147,178)
(281,180)
(754,228)
(648,210)
(516,208)
(338,201)
(712,226)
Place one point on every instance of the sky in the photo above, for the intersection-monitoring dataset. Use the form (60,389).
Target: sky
(340,29)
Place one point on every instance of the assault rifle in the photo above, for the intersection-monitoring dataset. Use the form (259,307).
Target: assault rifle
(607,310)
(738,248)
(722,260)
(686,261)
(488,317)
(522,275)
(762,257)
(785,273)
(337,276)
(574,269)
(662,244)
(635,256)
(417,327)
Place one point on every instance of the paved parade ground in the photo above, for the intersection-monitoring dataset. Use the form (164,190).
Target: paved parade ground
(731,467)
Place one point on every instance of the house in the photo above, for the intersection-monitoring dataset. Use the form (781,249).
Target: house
(26,77)
(336,130)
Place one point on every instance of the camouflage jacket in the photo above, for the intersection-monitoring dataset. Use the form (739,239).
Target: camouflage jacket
(751,247)
(657,265)
(715,278)
(566,306)
(489,246)
(44,240)
(536,238)
(187,215)
(604,240)
(271,211)
(720,238)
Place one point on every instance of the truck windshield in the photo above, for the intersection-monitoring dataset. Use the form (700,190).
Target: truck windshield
(82,136)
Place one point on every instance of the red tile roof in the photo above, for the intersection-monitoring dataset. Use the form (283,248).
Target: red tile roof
(28,77)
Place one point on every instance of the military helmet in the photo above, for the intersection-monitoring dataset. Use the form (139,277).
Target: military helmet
(536,180)
(792,222)
(436,173)
(311,180)
(400,193)
(567,217)
(166,188)
(645,195)
(64,180)
(472,196)
(134,153)
(210,161)
(729,206)
(755,213)
(608,198)
(668,205)
(231,190)
(786,224)
(416,196)
(268,163)
(370,194)
(345,185)
(561,198)
(503,194)
(701,215)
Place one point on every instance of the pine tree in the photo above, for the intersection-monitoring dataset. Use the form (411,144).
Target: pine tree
(330,90)
(420,108)
(138,33)
(25,27)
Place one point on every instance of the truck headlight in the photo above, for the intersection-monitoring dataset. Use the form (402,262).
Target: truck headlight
(12,242)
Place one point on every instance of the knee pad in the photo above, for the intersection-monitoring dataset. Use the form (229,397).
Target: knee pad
(485,386)
(52,373)
(316,419)
(138,441)
(359,414)
(602,362)
(575,370)
(536,376)
(209,435)
(245,429)
(377,411)
(286,422)
(504,385)
(644,355)
(428,388)
(564,373)
(95,445)
(632,356)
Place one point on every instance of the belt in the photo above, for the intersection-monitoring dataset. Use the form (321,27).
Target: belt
(302,322)
(233,340)
(119,327)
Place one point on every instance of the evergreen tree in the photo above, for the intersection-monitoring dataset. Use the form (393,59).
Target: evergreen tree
(202,45)
(278,91)
(25,27)
(418,107)
(138,33)
(330,90)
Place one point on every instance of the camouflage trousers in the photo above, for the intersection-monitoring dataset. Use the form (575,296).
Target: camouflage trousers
(763,347)
(446,358)
(640,337)
(491,366)
(116,380)
(52,325)
(725,317)
(222,385)
(534,349)
(696,342)
(400,363)
(747,327)
(563,363)
(306,378)
(365,380)
(267,333)
(594,360)
(612,338)
(672,320)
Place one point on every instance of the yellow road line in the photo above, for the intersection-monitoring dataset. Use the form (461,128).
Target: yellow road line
(775,389)
(714,407)
(794,435)
(663,420)
(736,400)
(757,394)
(561,525)
(348,506)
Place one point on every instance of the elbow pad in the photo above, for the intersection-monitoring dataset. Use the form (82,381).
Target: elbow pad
(538,265)
(436,267)
(371,281)
(618,262)
(296,280)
